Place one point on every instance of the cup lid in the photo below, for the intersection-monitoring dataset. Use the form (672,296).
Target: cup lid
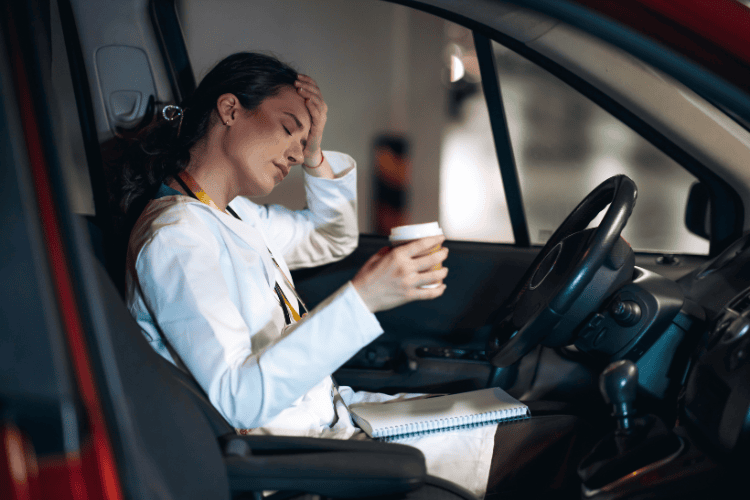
(414,231)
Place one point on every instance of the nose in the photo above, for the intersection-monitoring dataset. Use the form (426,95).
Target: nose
(295,153)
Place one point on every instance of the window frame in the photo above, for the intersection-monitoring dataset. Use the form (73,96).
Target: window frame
(726,214)
(503,146)
(727,211)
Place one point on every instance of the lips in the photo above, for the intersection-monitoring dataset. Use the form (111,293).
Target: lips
(283,168)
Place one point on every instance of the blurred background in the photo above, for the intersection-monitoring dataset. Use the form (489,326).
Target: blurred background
(405,100)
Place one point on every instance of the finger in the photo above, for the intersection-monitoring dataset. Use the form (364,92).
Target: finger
(313,89)
(429,277)
(432,260)
(309,85)
(421,246)
(308,95)
(309,88)
(428,293)
(306,79)
(314,104)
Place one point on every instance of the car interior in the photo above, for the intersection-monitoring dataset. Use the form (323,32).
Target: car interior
(633,363)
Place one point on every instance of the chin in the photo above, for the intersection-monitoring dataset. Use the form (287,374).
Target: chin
(260,187)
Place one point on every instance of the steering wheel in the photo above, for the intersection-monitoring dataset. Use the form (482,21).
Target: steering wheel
(570,277)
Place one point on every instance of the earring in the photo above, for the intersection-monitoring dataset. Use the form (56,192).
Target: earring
(226,123)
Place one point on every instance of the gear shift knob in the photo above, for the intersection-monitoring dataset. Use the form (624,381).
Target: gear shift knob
(618,383)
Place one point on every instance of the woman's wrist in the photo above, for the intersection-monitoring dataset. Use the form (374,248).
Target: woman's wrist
(315,162)
(321,169)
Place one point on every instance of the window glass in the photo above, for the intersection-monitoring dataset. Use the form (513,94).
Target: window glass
(565,145)
(472,198)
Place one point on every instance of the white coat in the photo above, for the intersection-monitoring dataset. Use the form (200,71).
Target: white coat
(204,282)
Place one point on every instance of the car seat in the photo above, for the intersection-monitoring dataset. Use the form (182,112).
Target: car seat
(186,449)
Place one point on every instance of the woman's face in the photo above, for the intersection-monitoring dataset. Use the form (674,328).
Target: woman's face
(262,145)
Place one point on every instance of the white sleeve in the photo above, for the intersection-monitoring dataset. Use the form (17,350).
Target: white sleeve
(186,290)
(327,230)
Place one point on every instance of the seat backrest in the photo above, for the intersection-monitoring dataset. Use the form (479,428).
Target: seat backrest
(217,421)
(175,426)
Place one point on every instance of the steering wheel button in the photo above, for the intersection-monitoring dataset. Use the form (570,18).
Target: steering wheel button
(596,320)
(601,334)
(626,313)
(590,329)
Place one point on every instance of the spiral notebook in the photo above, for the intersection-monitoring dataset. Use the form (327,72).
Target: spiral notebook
(408,418)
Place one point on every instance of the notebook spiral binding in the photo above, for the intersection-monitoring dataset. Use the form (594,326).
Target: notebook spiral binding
(418,429)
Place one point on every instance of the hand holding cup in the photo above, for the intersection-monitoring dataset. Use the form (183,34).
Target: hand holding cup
(402,235)
(411,270)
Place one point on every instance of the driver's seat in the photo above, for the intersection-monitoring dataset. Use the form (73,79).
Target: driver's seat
(184,448)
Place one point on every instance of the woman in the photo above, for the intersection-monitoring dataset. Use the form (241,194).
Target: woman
(208,270)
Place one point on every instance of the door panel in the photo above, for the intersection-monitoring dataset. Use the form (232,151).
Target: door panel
(428,345)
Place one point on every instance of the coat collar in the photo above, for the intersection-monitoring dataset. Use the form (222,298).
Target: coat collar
(248,229)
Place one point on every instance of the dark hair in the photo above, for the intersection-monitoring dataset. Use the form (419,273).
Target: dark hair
(160,152)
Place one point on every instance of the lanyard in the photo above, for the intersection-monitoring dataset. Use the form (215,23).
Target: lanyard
(193,188)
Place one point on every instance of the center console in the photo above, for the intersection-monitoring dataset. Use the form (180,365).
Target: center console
(703,455)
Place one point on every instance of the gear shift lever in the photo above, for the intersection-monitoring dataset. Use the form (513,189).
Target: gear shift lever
(637,442)
(618,383)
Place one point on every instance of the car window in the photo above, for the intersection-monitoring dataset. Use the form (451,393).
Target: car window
(472,197)
(565,145)
(400,109)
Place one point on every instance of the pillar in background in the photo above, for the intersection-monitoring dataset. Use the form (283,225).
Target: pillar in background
(391,167)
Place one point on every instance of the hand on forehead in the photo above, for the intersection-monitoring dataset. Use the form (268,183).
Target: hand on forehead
(293,105)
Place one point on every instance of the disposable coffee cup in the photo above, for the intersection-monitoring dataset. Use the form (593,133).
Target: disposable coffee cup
(401,235)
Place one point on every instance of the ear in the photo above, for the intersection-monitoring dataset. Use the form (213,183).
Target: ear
(227,106)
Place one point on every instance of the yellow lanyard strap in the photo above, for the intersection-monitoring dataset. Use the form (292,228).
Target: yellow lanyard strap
(198,192)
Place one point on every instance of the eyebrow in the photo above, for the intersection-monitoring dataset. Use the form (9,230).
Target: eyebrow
(299,125)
